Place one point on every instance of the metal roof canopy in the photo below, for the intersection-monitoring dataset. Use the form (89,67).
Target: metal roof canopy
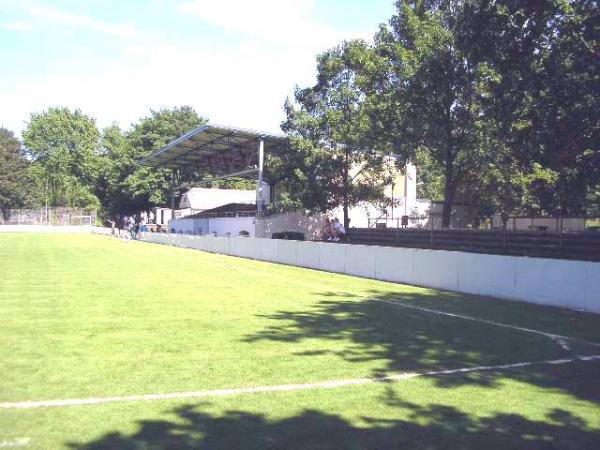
(221,151)
(216,149)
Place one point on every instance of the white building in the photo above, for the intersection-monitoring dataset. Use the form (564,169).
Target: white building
(197,200)
(401,197)
(232,219)
(222,212)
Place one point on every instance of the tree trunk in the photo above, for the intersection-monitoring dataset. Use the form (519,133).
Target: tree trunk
(449,191)
(346,218)
(345,191)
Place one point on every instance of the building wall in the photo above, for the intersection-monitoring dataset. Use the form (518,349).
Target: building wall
(291,221)
(231,225)
(201,199)
(221,226)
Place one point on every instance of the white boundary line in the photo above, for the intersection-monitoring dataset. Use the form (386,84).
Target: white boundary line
(18,442)
(556,337)
(281,388)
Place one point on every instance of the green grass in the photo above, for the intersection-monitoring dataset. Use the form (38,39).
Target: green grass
(91,316)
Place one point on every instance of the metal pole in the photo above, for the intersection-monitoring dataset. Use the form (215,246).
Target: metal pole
(47,221)
(560,236)
(405,190)
(173,186)
(392,202)
(431,220)
(259,187)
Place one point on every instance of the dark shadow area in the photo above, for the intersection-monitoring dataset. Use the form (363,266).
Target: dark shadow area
(430,427)
(397,340)
(550,319)
(405,340)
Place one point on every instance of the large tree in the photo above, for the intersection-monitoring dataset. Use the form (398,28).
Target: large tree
(125,185)
(426,93)
(334,159)
(64,146)
(546,60)
(118,161)
(15,182)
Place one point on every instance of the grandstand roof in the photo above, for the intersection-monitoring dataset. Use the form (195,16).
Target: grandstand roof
(216,149)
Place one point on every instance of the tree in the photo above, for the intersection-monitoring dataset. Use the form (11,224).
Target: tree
(426,93)
(334,161)
(64,145)
(152,186)
(125,186)
(15,183)
(544,57)
(117,162)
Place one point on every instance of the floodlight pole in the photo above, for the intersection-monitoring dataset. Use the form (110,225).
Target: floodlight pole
(259,184)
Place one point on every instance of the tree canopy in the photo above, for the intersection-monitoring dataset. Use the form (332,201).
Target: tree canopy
(64,147)
(335,161)
(496,102)
(15,180)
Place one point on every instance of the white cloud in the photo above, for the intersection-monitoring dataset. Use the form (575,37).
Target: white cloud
(80,21)
(241,87)
(241,82)
(274,21)
(16,26)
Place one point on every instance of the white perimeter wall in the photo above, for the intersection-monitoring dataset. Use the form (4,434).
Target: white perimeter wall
(570,284)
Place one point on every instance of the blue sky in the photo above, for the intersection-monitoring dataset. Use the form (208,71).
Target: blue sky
(234,61)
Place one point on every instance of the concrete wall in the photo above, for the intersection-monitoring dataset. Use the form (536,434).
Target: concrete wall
(231,225)
(219,225)
(185,226)
(290,221)
(570,284)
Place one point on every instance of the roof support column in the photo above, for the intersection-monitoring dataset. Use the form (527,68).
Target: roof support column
(172,190)
(259,183)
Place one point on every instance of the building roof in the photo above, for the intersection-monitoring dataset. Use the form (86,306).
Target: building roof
(216,149)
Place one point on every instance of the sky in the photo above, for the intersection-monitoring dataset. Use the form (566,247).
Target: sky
(233,61)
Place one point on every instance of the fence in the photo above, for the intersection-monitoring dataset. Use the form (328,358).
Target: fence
(570,284)
(580,245)
(48,216)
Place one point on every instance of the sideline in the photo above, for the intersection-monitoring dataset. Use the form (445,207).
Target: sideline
(281,388)
(18,442)
(559,338)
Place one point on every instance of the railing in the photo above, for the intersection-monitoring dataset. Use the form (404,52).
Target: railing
(227,214)
(48,216)
(568,245)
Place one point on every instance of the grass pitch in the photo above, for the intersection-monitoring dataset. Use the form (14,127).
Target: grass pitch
(93,317)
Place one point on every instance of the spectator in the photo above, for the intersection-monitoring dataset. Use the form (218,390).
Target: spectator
(338,230)
(327,234)
(129,225)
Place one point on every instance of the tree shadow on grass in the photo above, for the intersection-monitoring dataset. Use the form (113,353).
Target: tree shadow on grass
(359,329)
(429,427)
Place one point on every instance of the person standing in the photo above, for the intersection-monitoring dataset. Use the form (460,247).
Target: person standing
(327,232)
(339,230)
